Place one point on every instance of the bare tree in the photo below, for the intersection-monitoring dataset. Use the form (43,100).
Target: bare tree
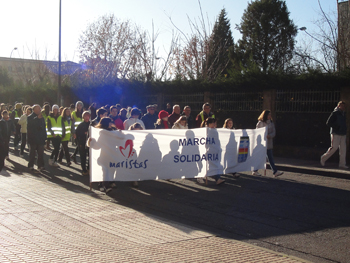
(331,41)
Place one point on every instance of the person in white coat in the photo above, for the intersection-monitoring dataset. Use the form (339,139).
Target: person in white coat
(23,122)
(264,120)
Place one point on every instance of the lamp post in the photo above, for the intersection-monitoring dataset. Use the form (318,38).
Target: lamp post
(59,57)
(15,48)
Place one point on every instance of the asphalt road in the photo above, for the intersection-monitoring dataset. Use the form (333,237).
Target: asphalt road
(306,215)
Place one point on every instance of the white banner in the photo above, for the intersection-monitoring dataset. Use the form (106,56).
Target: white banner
(174,153)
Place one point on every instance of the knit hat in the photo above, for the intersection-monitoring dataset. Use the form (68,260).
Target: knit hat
(162,114)
(55,106)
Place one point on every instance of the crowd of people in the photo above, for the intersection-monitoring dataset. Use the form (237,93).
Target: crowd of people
(39,127)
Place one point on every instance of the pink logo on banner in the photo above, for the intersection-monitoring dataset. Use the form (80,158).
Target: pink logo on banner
(126,151)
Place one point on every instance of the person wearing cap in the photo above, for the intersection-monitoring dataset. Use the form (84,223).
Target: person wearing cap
(54,131)
(77,118)
(135,113)
(81,135)
(162,122)
(36,137)
(150,118)
(15,116)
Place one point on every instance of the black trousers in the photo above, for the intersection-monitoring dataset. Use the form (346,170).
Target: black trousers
(65,150)
(17,136)
(56,142)
(2,155)
(23,142)
(7,146)
(84,152)
(39,149)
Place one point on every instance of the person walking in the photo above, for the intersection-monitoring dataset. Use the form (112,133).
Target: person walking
(81,135)
(190,120)
(338,129)
(54,132)
(265,120)
(7,128)
(150,118)
(36,137)
(45,113)
(23,122)
(204,114)
(66,134)
(181,123)
(162,122)
(77,118)
(2,150)
(175,115)
(135,113)
(228,124)
(15,116)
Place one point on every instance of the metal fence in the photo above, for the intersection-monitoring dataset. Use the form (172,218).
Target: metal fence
(238,101)
(308,101)
(195,101)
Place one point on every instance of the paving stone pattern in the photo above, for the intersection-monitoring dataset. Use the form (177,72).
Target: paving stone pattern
(44,222)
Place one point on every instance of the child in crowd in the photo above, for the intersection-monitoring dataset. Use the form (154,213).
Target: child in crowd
(162,122)
(81,134)
(181,123)
(228,124)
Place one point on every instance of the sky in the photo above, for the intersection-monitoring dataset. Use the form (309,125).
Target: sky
(31,26)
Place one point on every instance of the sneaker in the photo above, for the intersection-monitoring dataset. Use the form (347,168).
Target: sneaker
(278,173)
(200,180)
(85,173)
(60,162)
(69,164)
(322,162)
(108,189)
(31,168)
(41,169)
(55,164)
(51,162)
(256,173)
(220,181)
(343,166)
(102,189)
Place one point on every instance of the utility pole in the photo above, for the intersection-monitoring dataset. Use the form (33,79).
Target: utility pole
(59,58)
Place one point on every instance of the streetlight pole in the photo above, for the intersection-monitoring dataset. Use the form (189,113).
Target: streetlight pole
(59,57)
(12,51)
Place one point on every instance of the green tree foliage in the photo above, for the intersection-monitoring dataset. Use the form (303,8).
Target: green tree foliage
(219,44)
(267,36)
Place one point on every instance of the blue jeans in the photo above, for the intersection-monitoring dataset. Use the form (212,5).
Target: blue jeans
(271,160)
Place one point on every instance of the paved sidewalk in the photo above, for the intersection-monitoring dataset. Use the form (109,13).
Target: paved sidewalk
(41,221)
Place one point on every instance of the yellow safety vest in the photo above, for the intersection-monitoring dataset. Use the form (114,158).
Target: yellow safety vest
(77,120)
(202,116)
(16,116)
(68,131)
(56,126)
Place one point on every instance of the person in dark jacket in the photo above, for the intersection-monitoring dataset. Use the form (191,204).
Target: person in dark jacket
(190,119)
(162,122)
(15,116)
(150,118)
(36,137)
(337,123)
(101,113)
(7,129)
(81,134)
(175,115)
